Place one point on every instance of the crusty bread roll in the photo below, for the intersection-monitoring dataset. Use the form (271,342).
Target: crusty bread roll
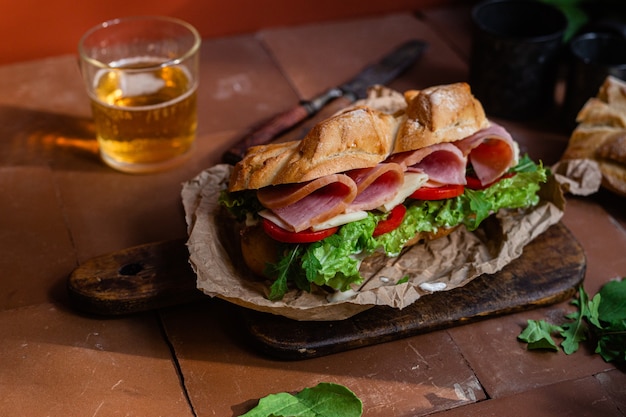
(596,112)
(359,138)
(601,134)
(445,113)
(362,137)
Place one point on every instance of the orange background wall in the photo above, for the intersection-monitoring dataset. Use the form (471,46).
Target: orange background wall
(31,29)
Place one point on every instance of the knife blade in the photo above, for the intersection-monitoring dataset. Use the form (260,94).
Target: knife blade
(382,72)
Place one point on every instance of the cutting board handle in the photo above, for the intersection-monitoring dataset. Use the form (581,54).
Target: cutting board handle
(136,279)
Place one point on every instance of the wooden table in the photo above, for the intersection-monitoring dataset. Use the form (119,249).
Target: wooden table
(61,206)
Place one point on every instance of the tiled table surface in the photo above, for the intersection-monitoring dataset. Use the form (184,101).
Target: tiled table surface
(60,206)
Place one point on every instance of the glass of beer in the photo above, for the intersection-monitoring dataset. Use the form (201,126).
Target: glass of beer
(141,74)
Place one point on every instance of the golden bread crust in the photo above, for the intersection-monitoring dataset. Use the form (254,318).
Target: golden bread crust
(596,112)
(261,165)
(601,134)
(362,137)
(439,114)
(359,138)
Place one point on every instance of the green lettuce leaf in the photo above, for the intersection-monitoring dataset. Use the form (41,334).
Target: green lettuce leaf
(339,255)
(335,261)
(241,203)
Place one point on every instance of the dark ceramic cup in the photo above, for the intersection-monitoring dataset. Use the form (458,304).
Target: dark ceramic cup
(593,56)
(516,48)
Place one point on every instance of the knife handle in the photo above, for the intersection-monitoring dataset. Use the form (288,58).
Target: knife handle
(266,132)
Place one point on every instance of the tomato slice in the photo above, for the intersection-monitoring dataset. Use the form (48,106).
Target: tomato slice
(393,220)
(474,183)
(306,236)
(438,193)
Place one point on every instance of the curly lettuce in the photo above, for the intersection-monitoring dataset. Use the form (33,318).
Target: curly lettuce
(334,262)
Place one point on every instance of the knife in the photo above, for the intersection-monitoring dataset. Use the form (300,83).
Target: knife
(382,72)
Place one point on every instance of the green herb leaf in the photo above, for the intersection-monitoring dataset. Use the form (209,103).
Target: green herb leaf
(538,335)
(576,331)
(241,203)
(323,400)
(603,318)
(611,335)
(283,270)
(525,164)
(403,280)
(479,204)
(613,306)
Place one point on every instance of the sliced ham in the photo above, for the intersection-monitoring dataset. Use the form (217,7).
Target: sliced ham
(375,186)
(444,163)
(301,205)
(492,151)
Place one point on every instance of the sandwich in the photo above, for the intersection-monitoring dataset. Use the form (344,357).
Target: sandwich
(601,134)
(367,183)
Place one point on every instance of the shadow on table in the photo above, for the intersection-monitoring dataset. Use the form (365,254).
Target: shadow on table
(33,137)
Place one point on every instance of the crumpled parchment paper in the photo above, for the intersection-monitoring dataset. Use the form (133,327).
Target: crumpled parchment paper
(578,176)
(440,265)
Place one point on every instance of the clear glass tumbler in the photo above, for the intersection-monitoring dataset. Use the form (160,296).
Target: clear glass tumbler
(141,74)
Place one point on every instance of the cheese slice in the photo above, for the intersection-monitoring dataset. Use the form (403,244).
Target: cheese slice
(412,181)
(340,220)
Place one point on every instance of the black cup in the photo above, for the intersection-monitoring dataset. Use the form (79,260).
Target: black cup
(516,48)
(593,57)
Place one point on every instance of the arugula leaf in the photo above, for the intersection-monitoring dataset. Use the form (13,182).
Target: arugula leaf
(323,400)
(601,319)
(611,347)
(576,331)
(538,335)
(403,280)
(611,335)
(613,306)
(479,205)
(525,164)
(285,269)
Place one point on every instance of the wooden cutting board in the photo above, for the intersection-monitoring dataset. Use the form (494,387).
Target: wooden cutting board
(158,275)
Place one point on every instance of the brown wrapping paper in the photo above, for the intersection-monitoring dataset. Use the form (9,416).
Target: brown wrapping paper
(578,176)
(439,265)
(599,141)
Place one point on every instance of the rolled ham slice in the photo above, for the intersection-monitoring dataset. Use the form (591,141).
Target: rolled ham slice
(301,205)
(375,186)
(491,151)
(444,163)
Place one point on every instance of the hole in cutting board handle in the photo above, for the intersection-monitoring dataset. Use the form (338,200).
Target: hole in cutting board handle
(131,269)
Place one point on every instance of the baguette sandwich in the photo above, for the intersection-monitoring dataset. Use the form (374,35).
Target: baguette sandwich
(367,183)
(601,134)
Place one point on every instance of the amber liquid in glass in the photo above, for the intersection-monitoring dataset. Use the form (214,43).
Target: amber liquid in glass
(145,121)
